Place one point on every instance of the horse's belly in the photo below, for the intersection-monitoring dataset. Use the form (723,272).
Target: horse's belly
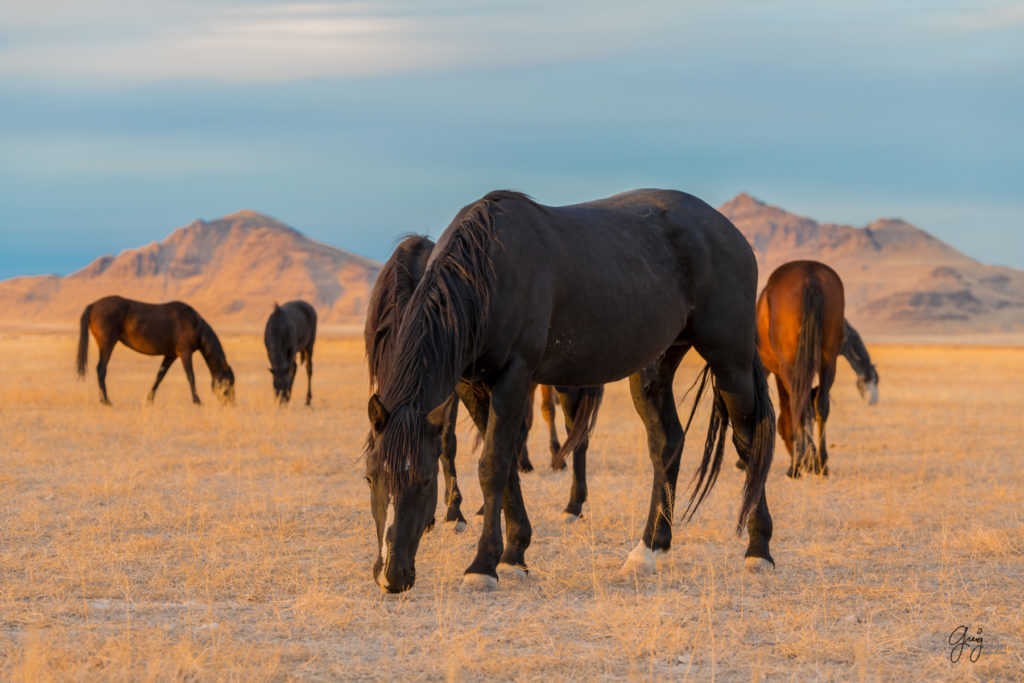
(602,357)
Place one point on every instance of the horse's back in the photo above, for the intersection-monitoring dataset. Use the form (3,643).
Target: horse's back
(625,272)
(780,311)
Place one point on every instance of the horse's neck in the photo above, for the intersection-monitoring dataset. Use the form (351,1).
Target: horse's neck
(213,354)
(858,357)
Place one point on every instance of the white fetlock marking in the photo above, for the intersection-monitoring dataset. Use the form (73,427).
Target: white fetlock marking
(479,582)
(641,560)
(569,518)
(457,526)
(511,571)
(758,565)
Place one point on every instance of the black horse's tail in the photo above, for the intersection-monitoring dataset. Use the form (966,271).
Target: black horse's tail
(83,340)
(583,422)
(762,446)
(808,355)
(759,452)
(714,445)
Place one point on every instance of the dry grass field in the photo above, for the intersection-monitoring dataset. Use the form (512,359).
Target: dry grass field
(235,543)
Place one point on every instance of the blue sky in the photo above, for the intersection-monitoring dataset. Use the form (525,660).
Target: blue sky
(357,122)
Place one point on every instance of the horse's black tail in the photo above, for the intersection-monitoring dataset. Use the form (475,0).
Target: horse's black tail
(582,422)
(714,445)
(761,449)
(806,363)
(83,340)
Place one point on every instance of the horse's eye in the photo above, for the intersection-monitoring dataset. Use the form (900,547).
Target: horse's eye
(369,482)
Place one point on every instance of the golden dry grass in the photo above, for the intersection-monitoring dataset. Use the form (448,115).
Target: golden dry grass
(235,543)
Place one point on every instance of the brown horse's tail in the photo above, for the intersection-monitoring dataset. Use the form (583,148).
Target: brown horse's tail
(808,354)
(582,422)
(83,340)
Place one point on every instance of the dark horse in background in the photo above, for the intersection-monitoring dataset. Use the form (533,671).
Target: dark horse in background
(856,353)
(517,293)
(395,284)
(172,330)
(290,330)
(800,333)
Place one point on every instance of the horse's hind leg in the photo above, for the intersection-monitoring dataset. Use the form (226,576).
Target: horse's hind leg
(106,348)
(820,399)
(308,359)
(740,381)
(651,390)
(547,410)
(524,455)
(570,399)
(452,495)
(186,362)
(164,366)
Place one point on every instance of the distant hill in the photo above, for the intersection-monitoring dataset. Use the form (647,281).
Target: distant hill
(231,270)
(899,279)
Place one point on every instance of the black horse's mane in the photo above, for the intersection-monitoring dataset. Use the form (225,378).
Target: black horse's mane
(439,332)
(390,296)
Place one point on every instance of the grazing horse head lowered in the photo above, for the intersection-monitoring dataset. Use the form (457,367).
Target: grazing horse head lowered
(517,293)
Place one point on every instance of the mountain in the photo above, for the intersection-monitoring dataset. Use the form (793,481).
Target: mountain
(899,280)
(231,270)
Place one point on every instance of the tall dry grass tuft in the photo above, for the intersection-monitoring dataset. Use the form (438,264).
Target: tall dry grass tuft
(235,542)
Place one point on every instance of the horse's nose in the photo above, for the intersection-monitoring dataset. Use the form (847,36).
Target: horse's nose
(395,579)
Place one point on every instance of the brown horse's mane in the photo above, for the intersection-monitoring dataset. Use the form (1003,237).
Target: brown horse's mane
(439,333)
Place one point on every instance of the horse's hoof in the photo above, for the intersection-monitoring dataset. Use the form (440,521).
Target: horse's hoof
(526,466)
(569,517)
(640,562)
(456,526)
(511,571)
(430,526)
(759,565)
(479,582)
(557,466)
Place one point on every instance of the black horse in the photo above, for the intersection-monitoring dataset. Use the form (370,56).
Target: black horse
(172,330)
(856,353)
(516,293)
(395,284)
(290,330)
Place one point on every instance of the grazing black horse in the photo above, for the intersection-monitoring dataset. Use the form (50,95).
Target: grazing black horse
(395,284)
(516,293)
(290,330)
(856,353)
(172,330)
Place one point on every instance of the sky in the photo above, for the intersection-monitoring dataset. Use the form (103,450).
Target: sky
(359,122)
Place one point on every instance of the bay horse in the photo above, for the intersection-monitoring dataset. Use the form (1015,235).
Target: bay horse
(856,353)
(516,293)
(800,332)
(391,292)
(172,330)
(290,330)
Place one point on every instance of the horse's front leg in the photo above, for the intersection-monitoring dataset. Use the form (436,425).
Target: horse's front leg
(309,375)
(452,495)
(186,362)
(502,444)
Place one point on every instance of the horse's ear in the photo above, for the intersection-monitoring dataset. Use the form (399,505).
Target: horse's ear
(277,306)
(436,416)
(378,413)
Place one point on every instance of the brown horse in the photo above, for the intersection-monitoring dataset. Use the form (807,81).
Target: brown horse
(799,335)
(172,330)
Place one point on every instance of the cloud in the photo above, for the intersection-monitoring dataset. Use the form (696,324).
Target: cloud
(980,18)
(119,41)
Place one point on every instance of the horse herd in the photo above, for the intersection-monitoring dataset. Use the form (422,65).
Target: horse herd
(516,295)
